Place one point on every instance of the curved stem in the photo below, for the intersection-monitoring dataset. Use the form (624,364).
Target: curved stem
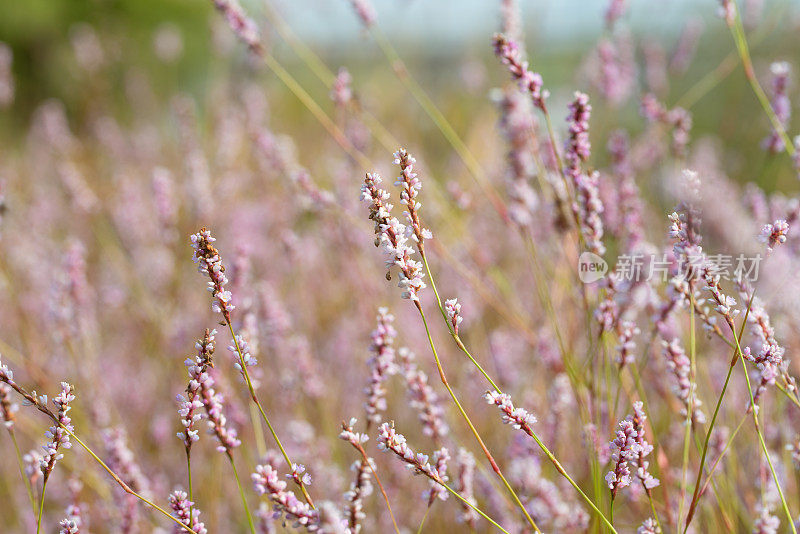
(255,400)
(737,29)
(486,452)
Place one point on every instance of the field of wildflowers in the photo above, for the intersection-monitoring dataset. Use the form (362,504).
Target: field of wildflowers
(304,294)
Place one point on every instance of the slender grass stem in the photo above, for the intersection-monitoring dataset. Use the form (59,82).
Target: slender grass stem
(424,517)
(241,493)
(764,449)
(255,400)
(21,465)
(466,418)
(477,510)
(689,411)
(41,508)
(737,29)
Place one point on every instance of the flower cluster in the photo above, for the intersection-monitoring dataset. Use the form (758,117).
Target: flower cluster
(201,385)
(774,234)
(69,526)
(342,91)
(394,237)
(243,26)
(7,408)
(578,148)
(769,362)
(423,398)
(186,512)
(623,446)
(361,487)
(209,262)
(517,121)
(615,9)
(628,330)
(189,411)
(464,485)
(781,105)
(365,12)
(389,440)
(381,365)
(680,366)
(643,449)
(453,309)
(589,208)
(629,450)
(678,119)
(519,418)
(649,526)
(241,347)
(436,490)
(266,481)
(530,82)
(58,433)
(410,186)
(723,304)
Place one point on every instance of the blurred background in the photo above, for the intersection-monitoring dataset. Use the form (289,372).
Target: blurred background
(78,51)
(125,125)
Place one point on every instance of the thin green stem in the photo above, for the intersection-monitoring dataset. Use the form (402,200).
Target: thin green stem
(463,413)
(737,29)
(21,465)
(241,493)
(653,509)
(689,410)
(41,508)
(424,517)
(477,510)
(693,505)
(736,351)
(784,504)
(255,400)
(441,122)
(189,474)
(121,482)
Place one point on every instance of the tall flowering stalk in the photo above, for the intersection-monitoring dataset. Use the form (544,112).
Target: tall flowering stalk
(423,398)
(529,82)
(629,452)
(58,439)
(679,365)
(210,263)
(523,420)
(781,105)
(578,148)
(34,460)
(587,207)
(390,440)
(201,392)
(381,365)
(466,473)
(361,487)
(395,236)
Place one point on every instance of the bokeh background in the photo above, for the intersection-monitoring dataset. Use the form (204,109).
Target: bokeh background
(135,122)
